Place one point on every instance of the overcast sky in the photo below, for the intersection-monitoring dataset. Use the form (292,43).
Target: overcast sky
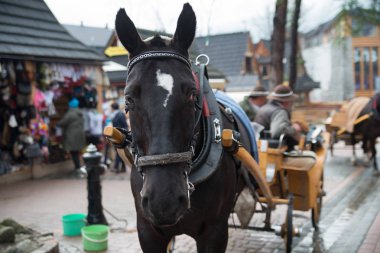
(213,16)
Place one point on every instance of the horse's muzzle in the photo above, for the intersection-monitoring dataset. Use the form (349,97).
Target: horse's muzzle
(164,210)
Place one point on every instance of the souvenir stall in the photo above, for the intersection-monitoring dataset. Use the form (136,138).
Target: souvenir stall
(42,67)
(34,97)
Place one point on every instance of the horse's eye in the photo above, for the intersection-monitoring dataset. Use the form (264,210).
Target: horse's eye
(193,96)
(129,103)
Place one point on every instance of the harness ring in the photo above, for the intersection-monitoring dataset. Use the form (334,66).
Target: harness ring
(197,62)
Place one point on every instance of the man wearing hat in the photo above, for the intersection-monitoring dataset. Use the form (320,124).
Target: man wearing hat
(252,102)
(275,115)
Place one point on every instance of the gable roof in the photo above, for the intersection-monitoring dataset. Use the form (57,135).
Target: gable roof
(320,29)
(266,43)
(29,30)
(95,37)
(226,51)
(364,15)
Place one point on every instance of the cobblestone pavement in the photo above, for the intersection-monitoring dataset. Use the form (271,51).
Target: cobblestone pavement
(350,219)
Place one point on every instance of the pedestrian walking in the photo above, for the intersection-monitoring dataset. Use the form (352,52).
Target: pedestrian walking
(74,138)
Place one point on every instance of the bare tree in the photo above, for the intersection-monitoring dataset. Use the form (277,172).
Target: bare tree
(263,23)
(278,40)
(294,44)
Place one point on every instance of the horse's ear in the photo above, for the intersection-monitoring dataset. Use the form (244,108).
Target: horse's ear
(127,33)
(185,31)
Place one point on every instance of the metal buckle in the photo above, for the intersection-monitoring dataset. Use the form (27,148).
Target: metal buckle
(217,131)
(190,189)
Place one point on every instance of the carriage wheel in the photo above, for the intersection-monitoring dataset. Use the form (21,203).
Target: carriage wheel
(170,248)
(316,210)
(288,236)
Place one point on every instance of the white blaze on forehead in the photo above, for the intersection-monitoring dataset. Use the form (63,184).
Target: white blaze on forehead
(165,81)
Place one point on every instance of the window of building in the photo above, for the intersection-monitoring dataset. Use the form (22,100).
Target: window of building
(366,69)
(248,64)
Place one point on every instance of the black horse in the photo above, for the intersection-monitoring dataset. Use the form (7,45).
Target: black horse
(169,137)
(369,129)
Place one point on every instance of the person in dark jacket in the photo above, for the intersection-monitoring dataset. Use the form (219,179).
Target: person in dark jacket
(275,116)
(252,102)
(74,138)
(119,119)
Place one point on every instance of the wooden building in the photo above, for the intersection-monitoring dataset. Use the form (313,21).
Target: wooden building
(343,54)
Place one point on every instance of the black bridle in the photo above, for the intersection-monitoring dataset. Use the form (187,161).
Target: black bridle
(168,158)
(157,55)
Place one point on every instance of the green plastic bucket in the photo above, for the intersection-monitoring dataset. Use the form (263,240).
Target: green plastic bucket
(73,223)
(95,237)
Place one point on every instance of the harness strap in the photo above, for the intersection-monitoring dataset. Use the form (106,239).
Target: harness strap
(164,159)
(157,55)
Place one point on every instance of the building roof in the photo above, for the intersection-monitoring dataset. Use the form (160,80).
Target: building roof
(241,82)
(267,43)
(213,73)
(117,77)
(320,29)
(98,38)
(29,30)
(123,60)
(304,83)
(95,37)
(226,51)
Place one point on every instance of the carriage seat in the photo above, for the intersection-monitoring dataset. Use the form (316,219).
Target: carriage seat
(299,160)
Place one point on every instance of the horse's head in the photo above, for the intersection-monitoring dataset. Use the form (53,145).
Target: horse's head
(160,96)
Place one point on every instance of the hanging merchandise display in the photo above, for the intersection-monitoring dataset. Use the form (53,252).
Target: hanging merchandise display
(33,98)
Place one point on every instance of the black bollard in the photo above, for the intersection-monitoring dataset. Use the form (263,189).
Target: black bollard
(94,168)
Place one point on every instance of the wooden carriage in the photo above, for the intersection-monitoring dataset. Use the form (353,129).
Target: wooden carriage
(295,186)
(306,185)
(336,126)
